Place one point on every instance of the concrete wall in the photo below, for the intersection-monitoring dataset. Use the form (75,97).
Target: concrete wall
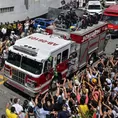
(35,8)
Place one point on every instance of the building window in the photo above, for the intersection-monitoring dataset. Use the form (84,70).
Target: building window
(6,9)
(26,2)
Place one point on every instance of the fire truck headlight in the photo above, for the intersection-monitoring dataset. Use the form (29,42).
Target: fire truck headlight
(25,84)
(33,84)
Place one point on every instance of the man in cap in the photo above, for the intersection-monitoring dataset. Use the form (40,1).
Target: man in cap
(64,113)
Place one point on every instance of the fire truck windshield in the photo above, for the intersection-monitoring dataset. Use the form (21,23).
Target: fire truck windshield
(110,0)
(31,65)
(25,63)
(111,19)
(14,58)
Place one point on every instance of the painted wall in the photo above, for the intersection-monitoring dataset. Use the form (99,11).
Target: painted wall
(35,8)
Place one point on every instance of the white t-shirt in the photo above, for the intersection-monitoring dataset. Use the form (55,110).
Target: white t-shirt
(31,104)
(5,54)
(22,115)
(115,114)
(26,25)
(18,108)
(3,30)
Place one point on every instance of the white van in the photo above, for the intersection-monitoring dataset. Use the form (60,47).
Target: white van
(94,7)
(108,3)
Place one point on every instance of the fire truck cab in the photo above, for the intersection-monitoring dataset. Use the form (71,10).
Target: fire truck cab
(110,16)
(32,60)
(91,41)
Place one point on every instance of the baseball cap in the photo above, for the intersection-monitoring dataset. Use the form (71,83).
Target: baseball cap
(94,81)
(65,105)
(108,81)
(77,82)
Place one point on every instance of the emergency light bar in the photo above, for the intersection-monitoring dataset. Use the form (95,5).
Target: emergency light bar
(26,49)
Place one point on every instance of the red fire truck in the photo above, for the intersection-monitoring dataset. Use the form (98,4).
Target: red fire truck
(32,60)
(110,15)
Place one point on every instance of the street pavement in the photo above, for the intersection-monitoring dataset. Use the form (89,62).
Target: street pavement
(111,45)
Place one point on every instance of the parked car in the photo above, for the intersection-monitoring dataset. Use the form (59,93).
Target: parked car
(108,3)
(42,22)
(94,7)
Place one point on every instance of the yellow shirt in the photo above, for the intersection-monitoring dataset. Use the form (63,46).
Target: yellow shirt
(10,115)
(84,108)
(14,26)
(75,77)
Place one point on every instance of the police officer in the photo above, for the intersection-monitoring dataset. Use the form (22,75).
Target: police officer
(96,18)
(73,16)
(84,23)
(68,19)
(89,20)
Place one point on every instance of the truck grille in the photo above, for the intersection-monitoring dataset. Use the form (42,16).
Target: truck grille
(18,76)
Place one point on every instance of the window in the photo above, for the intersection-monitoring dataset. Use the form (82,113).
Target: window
(26,63)
(47,24)
(111,19)
(36,21)
(58,58)
(14,58)
(48,64)
(94,7)
(6,9)
(110,0)
(31,65)
(65,55)
(42,23)
(26,3)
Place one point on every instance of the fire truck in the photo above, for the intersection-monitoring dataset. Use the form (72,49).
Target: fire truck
(110,16)
(32,60)
(91,41)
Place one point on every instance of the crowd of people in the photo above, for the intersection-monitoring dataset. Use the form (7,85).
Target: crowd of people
(93,93)
(73,3)
(72,21)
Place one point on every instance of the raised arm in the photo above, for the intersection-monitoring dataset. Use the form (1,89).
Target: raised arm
(58,90)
